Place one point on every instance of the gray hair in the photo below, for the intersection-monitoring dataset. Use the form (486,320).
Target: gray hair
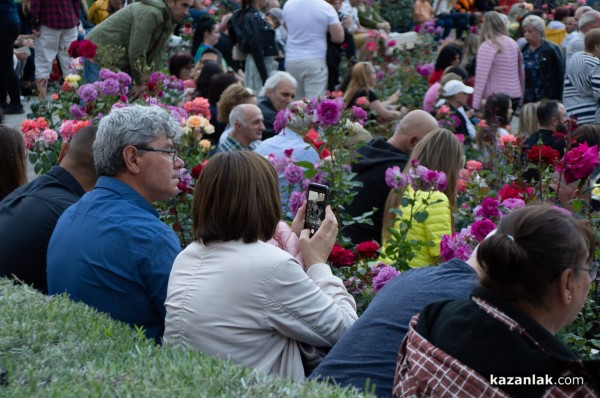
(588,18)
(237,114)
(131,125)
(276,78)
(535,22)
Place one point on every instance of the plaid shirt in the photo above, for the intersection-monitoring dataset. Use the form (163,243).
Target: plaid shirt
(55,14)
(231,144)
(423,370)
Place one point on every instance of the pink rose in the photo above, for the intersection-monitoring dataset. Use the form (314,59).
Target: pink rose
(49,136)
(391,43)
(480,229)
(579,162)
(371,46)
(474,165)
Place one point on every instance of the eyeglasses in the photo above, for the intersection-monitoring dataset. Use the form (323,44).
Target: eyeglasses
(593,270)
(162,150)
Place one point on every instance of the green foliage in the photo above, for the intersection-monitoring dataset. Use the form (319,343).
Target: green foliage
(52,347)
(583,335)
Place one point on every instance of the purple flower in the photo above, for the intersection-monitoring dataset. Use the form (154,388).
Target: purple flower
(436,180)
(455,121)
(359,114)
(185,179)
(280,120)
(480,229)
(513,204)
(293,174)
(458,245)
(110,87)
(487,209)
(395,178)
(177,112)
(280,163)
(430,29)
(76,111)
(87,93)
(108,74)
(380,75)
(385,275)
(439,30)
(295,202)
(124,79)
(152,101)
(156,77)
(328,112)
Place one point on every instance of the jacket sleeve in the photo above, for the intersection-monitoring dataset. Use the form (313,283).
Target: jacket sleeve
(367,20)
(34,9)
(255,36)
(312,307)
(439,222)
(286,240)
(142,31)
(485,58)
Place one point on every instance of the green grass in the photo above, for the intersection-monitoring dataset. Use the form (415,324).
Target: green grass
(52,347)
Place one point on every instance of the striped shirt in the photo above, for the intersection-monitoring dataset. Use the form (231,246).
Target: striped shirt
(499,72)
(582,88)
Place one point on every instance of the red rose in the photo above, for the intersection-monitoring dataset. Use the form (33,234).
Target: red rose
(151,85)
(340,257)
(514,191)
(367,249)
(288,152)
(87,49)
(543,154)
(198,169)
(73,50)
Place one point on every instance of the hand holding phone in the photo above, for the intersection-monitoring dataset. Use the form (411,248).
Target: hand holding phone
(315,207)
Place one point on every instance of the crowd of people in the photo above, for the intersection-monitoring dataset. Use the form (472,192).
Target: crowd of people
(255,286)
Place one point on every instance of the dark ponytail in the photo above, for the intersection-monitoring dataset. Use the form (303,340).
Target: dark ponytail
(531,249)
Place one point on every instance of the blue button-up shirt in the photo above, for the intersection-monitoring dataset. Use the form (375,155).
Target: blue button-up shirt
(110,251)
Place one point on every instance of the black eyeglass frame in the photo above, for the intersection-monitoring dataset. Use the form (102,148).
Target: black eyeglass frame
(162,150)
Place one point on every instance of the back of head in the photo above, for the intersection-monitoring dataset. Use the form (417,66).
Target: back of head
(218,84)
(457,70)
(591,40)
(546,110)
(134,125)
(582,10)
(237,197)
(496,109)
(447,56)
(562,12)
(232,96)
(80,154)
(13,167)
(359,80)
(273,81)
(493,26)
(528,120)
(587,19)
(530,250)
(180,61)
(418,123)
(209,69)
(589,133)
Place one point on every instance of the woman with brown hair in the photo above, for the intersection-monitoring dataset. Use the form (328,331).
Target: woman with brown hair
(233,295)
(439,222)
(13,162)
(537,270)
(362,82)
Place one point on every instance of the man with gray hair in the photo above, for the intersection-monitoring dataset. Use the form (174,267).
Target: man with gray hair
(110,250)
(277,93)
(588,21)
(247,123)
(372,160)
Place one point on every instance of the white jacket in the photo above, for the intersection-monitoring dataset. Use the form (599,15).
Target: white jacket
(252,303)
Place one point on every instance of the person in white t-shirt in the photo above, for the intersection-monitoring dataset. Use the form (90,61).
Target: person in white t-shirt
(308,22)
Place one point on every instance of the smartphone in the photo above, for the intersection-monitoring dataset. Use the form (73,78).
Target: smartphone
(315,206)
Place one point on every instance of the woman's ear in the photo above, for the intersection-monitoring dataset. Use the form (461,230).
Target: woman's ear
(565,286)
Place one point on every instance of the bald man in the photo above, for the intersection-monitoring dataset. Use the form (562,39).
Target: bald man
(373,159)
(29,214)
(248,124)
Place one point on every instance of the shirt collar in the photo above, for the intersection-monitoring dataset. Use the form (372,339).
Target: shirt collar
(127,192)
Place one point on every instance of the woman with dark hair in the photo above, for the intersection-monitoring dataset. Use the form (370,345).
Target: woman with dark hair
(180,65)
(206,35)
(233,295)
(209,70)
(217,85)
(537,270)
(497,113)
(449,55)
(259,43)
(13,162)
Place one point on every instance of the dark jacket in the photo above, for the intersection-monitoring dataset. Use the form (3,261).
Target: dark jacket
(552,71)
(269,115)
(505,343)
(372,160)
(259,40)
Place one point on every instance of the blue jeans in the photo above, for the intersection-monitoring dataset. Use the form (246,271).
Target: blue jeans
(91,72)
(458,21)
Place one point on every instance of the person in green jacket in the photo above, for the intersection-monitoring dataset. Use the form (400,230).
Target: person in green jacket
(143,30)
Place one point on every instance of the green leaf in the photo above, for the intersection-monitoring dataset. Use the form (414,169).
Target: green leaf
(421,216)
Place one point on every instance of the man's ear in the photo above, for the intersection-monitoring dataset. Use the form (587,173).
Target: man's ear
(131,159)
(413,140)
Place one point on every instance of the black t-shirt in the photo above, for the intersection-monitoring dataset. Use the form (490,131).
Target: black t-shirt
(370,94)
